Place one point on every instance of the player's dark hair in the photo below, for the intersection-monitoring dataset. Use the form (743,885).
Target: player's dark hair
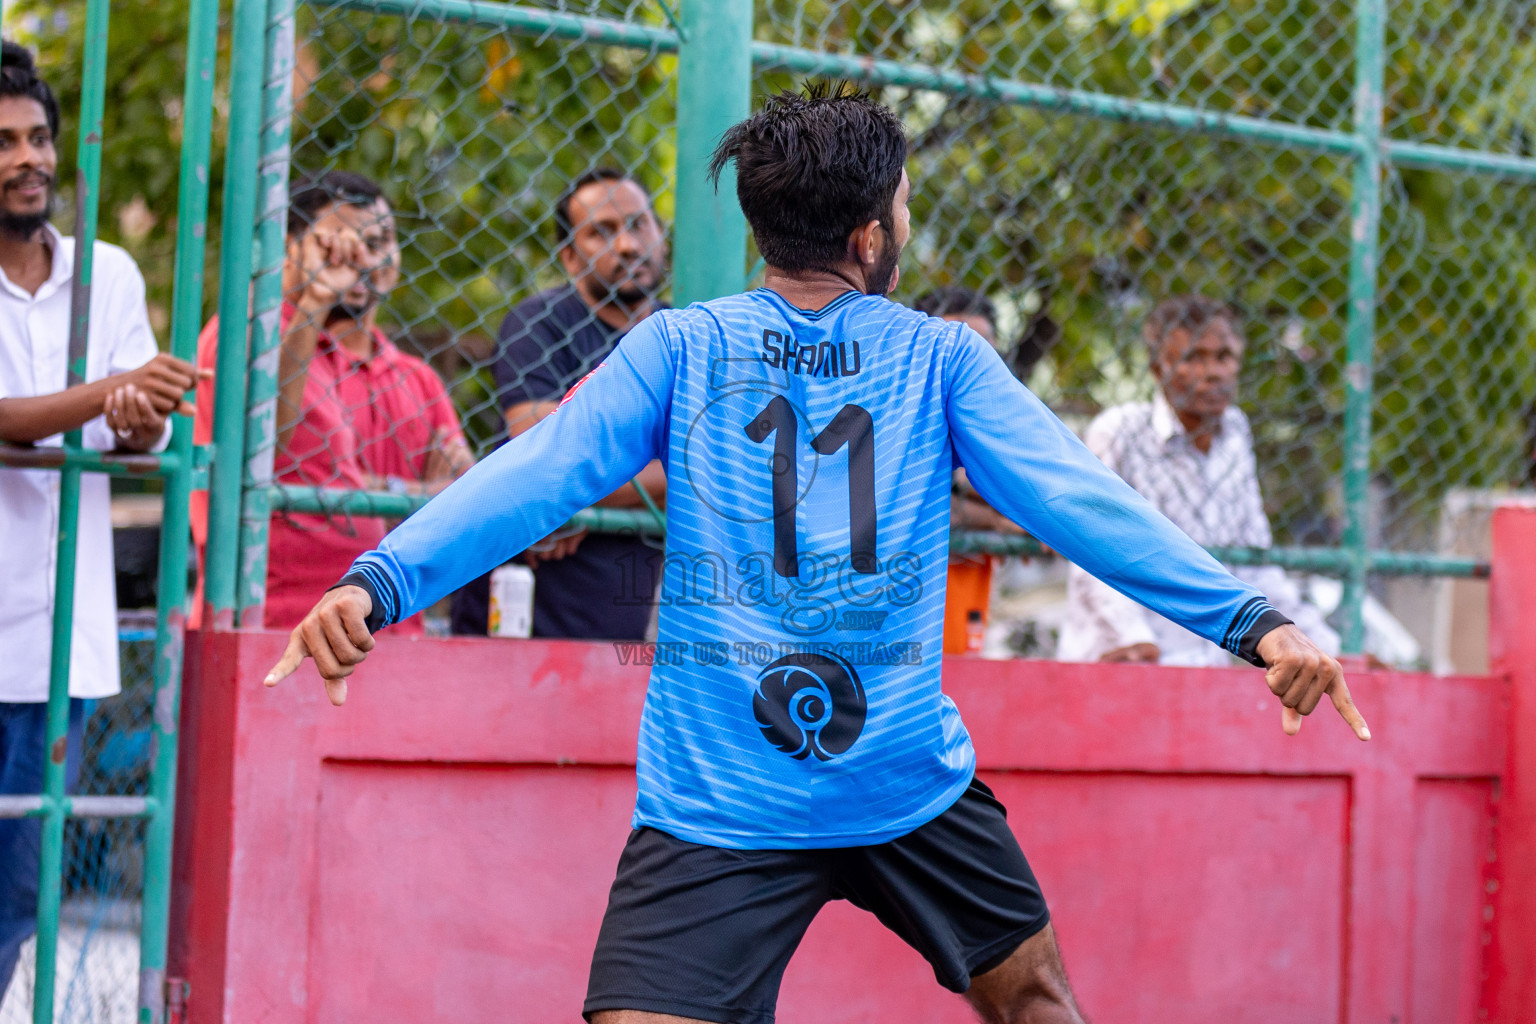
(1192,313)
(18,77)
(811,168)
(954,300)
(308,196)
(563,227)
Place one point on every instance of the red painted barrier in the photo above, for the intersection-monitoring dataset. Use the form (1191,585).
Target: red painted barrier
(441,848)
(1510,993)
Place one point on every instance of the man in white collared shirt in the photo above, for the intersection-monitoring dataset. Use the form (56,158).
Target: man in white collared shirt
(1189,451)
(125,404)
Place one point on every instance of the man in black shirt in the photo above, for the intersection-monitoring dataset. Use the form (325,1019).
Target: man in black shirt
(611,247)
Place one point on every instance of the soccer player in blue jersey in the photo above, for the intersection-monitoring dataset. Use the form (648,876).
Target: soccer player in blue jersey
(796,746)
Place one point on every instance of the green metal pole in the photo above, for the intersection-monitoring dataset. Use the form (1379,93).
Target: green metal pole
(186,313)
(333,501)
(538,23)
(873,71)
(1448,158)
(235,258)
(525,21)
(1360,328)
(714,91)
(131,464)
(87,196)
(266,328)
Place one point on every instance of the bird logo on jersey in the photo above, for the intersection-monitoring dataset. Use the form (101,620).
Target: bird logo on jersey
(810,703)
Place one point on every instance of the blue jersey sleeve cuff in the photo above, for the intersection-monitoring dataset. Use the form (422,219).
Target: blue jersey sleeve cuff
(1252,621)
(378,590)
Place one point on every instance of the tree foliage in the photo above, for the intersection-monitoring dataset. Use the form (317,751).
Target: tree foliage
(1073,226)
(141,126)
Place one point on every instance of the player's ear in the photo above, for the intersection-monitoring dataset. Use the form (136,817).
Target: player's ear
(570,260)
(864,244)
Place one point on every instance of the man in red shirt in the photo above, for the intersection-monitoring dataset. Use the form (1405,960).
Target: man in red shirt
(353,411)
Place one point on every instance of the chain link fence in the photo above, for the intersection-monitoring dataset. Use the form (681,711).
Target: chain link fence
(99,919)
(1088,223)
(475,134)
(1176,147)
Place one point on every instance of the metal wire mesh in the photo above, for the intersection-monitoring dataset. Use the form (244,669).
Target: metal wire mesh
(98,975)
(1455,343)
(1462,74)
(1288,60)
(1075,230)
(1074,227)
(1088,223)
(475,134)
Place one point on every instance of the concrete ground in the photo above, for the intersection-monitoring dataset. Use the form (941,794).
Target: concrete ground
(97,981)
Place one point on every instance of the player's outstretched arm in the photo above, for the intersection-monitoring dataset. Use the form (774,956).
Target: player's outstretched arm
(604,432)
(334,633)
(1056,488)
(1300,673)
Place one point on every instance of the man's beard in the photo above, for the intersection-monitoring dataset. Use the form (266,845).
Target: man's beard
(883,276)
(350,311)
(630,292)
(22,227)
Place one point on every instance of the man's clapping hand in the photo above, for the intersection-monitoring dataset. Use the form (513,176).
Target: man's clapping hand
(133,418)
(139,401)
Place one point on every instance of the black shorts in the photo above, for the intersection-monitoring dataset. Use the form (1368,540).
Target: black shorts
(704,932)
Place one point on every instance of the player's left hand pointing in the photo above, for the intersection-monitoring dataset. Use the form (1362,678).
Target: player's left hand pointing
(334,633)
(1299,673)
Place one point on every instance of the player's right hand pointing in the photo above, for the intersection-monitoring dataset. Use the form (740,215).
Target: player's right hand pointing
(1300,673)
(334,633)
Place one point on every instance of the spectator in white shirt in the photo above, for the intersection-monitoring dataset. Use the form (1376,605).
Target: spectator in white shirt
(1189,451)
(129,394)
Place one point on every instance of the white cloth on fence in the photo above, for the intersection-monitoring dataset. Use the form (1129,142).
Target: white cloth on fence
(1212,496)
(34,359)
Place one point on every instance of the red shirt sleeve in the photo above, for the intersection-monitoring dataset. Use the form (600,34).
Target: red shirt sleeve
(207,359)
(437,405)
(202,423)
(202,433)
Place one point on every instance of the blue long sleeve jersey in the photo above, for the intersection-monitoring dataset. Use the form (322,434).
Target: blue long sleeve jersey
(794,697)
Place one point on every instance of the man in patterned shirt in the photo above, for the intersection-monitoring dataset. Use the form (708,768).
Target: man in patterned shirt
(1190,453)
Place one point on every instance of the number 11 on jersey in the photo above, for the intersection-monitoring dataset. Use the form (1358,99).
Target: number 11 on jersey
(852,426)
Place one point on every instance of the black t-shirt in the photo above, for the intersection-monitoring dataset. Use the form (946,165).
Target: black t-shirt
(604,590)
(547,343)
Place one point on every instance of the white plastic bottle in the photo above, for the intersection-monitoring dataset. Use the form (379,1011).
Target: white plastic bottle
(511,611)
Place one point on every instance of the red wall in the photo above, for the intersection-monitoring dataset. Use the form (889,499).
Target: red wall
(441,848)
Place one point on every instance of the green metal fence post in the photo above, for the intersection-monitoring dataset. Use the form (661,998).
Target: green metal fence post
(714,91)
(93,79)
(1360,329)
(266,328)
(245,79)
(186,312)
